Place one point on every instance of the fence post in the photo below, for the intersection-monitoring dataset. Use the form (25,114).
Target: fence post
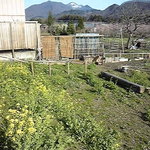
(50,69)
(11,40)
(85,67)
(68,64)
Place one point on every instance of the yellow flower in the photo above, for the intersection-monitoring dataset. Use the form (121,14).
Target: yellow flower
(22,115)
(31,123)
(31,130)
(17,104)
(23,110)
(12,111)
(19,132)
(30,112)
(13,138)
(21,123)
(25,106)
(12,120)
(16,120)
(12,125)
(9,133)
(26,111)
(7,117)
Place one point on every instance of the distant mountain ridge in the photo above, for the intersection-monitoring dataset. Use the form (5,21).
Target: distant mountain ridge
(42,10)
(59,9)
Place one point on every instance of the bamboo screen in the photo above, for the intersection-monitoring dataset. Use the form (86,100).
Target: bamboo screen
(66,46)
(49,47)
(55,47)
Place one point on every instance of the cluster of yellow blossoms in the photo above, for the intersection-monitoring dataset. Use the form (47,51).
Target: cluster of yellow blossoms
(20,122)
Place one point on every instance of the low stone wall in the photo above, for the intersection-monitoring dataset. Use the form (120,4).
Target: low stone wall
(25,55)
(123,83)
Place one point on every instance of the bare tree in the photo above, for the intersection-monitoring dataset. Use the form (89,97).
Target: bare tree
(130,18)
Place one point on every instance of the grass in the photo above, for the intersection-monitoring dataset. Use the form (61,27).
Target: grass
(118,109)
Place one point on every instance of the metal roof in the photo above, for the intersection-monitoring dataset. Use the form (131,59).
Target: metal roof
(88,35)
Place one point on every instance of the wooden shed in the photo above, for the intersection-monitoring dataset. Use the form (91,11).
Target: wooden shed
(19,35)
(12,10)
(16,34)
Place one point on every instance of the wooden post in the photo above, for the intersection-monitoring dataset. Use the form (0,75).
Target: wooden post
(50,69)
(122,40)
(32,68)
(103,47)
(68,64)
(85,67)
(11,41)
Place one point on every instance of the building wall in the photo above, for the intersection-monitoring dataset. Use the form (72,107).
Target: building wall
(19,35)
(12,10)
(7,56)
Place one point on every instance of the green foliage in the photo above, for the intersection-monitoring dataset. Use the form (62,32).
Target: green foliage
(50,19)
(95,18)
(70,18)
(80,25)
(148,114)
(36,113)
(70,28)
(140,78)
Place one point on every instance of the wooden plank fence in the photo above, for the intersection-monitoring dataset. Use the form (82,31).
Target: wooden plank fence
(19,35)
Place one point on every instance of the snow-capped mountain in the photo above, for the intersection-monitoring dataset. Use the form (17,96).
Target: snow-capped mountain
(42,10)
(75,5)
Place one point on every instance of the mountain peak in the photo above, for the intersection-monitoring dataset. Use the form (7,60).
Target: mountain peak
(74,5)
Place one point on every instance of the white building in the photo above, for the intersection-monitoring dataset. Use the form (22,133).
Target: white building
(12,10)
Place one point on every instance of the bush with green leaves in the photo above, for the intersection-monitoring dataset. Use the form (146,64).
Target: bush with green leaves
(35,114)
(148,114)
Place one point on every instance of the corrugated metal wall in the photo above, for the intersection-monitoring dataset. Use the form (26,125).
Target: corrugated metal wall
(19,35)
(12,10)
(88,45)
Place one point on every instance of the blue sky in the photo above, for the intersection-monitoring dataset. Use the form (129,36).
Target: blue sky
(97,4)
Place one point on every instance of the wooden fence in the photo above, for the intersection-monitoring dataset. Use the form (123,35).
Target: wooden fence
(19,35)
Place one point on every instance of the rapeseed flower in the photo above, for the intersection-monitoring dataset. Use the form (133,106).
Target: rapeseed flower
(11,125)
(19,132)
(12,111)
(21,123)
(31,130)
(12,120)
(25,106)
(16,120)
(23,115)
(7,117)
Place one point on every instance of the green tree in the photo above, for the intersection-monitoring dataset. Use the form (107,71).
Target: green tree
(80,25)
(70,28)
(50,19)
